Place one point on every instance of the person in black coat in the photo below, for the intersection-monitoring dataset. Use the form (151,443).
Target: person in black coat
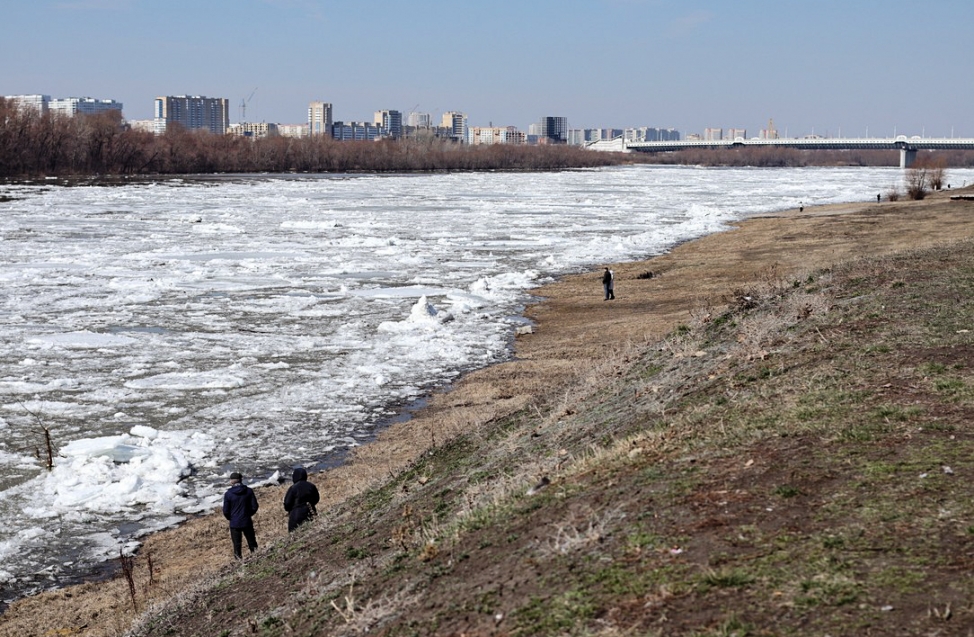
(608,284)
(239,507)
(300,500)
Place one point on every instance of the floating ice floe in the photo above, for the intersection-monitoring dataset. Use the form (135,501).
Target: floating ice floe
(423,315)
(83,340)
(108,474)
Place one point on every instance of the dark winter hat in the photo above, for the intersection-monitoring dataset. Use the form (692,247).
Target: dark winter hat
(235,476)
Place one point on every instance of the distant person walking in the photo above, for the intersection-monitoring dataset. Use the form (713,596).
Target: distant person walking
(878,198)
(300,500)
(239,507)
(608,284)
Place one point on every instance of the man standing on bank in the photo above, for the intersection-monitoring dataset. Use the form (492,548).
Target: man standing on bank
(300,500)
(608,283)
(239,507)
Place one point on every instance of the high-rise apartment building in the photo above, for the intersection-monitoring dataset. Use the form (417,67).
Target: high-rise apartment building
(713,134)
(390,122)
(292,130)
(252,130)
(455,124)
(39,103)
(319,118)
(553,130)
(419,120)
(193,113)
(495,135)
(71,106)
(355,131)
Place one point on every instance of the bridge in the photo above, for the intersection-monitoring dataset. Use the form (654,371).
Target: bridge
(908,146)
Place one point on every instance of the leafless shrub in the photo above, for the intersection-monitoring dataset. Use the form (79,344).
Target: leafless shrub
(917,182)
(46,450)
(802,306)
(361,617)
(576,534)
(127,562)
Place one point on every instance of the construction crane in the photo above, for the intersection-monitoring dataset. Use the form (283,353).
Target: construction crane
(243,105)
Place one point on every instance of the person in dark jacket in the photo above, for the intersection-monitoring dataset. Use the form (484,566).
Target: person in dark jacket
(239,507)
(300,500)
(608,284)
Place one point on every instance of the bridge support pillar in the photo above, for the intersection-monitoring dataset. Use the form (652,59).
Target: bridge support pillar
(907,157)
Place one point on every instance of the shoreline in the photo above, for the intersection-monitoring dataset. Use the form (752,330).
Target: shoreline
(573,328)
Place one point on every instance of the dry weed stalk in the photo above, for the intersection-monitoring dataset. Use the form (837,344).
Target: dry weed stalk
(127,562)
(348,614)
(571,536)
(359,618)
(49,450)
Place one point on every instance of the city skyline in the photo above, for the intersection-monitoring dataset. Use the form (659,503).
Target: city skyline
(867,68)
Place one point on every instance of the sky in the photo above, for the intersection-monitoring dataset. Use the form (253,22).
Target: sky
(851,68)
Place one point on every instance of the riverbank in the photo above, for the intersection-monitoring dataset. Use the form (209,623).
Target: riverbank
(576,334)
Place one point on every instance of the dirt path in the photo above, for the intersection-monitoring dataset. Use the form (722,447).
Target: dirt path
(574,328)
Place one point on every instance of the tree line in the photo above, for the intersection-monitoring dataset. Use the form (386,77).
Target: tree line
(34,144)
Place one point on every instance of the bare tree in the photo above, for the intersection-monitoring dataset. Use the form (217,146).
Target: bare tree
(917,181)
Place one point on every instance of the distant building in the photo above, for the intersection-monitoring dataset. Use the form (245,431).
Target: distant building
(390,122)
(419,120)
(71,106)
(193,113)
(770,132)
(142,125)
(553,130)
(734,133)
(588,135)
(355,131)
(319,118)
(294,130)
(495,135)
(713,134)
(694,137)
(39,103)
(455,125)
(650,134)
(252,130)
(639,134)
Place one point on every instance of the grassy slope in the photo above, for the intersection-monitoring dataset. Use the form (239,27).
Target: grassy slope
(798,463)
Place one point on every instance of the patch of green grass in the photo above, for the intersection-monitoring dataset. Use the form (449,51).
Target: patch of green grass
(898,578)
(726,578)
(787,491)
(557,615)
(895,413)
(828,589)
(730,627)
(355,553)
(951,387)
(933,368)
(638,540)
